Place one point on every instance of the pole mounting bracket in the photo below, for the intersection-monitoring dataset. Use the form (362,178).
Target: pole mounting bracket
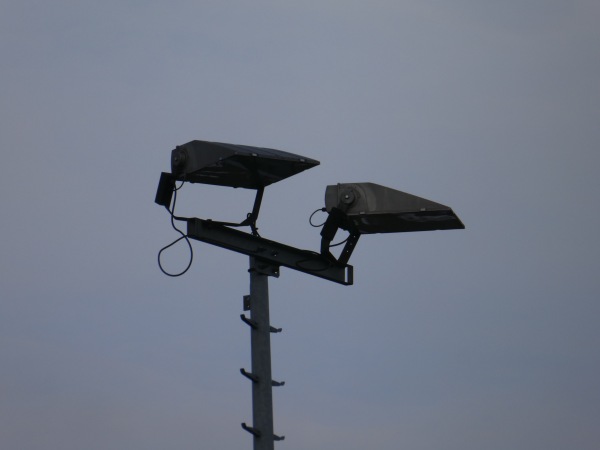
(247,302)
(266,268)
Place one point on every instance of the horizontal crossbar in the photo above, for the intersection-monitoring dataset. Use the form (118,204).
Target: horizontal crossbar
(268,251)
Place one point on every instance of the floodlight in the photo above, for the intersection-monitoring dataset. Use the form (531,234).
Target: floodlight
(235,165)
(372,208)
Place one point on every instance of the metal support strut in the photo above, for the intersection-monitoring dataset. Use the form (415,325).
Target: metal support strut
(260,342)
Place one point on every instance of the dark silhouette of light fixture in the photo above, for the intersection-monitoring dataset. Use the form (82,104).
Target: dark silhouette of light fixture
(358,208)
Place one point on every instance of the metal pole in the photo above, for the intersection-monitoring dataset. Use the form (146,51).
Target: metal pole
(260,341)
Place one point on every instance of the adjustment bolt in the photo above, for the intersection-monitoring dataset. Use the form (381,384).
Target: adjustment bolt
(348,197)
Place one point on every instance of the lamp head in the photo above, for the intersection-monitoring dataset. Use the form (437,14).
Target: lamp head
(235,165)
(371,208)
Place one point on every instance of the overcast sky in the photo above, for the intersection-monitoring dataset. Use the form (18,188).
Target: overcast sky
(486,338)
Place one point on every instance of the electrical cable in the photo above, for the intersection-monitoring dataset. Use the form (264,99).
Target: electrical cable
(318,226)
(339,243)
(183,236)
(311,216)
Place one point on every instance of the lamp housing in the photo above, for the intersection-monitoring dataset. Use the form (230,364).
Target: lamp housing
(238,166)
(371,208)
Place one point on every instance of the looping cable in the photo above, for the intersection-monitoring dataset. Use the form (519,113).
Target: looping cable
(318,226)
(183,236)
(311,216)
